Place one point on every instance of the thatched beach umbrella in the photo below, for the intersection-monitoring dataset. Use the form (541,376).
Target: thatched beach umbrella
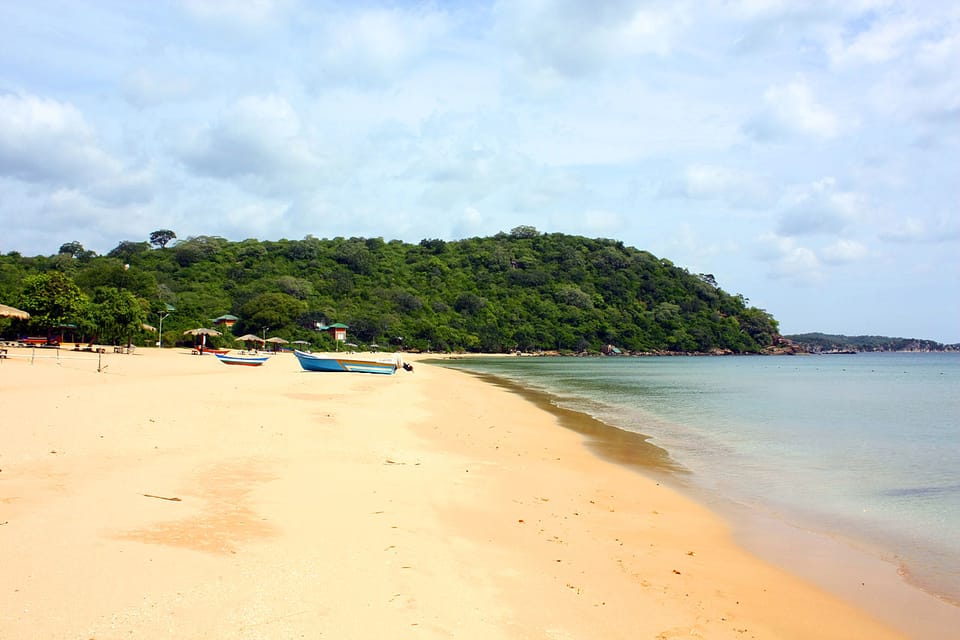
(13,312)
(203,333)
(277,342)
(248,338)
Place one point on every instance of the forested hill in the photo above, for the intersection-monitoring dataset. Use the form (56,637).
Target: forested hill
(522,290)
(829,343)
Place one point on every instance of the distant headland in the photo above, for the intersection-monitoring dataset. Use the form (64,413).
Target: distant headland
(828,343)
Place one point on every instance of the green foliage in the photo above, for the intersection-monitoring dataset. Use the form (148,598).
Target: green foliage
(73,249)
(272,310)
(519,290)
(116,315)
(52,299)
(524,231)
(821,342)
(126,249)
(162,237)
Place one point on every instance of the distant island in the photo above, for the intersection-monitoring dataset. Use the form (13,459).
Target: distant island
(827,343)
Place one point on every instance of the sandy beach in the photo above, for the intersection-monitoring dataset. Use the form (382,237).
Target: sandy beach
(170,496)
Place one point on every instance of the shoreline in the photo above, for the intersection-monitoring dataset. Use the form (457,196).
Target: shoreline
(172,496)
(870,578)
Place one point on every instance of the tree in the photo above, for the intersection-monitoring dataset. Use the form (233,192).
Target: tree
(434,245)
(272,310)
(117,314)
(73,249)
(162,237)
(524,231)
(759,325)
(52,299)
(127,249)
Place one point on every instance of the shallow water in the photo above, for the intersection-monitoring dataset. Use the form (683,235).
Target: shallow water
(864,445)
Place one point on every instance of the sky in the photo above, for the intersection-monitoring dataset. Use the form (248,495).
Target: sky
(806,154)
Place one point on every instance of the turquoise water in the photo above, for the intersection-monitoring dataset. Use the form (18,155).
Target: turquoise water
(864,445)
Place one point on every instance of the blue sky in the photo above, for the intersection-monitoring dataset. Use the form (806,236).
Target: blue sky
(807,154)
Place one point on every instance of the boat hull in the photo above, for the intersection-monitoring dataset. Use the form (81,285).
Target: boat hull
(310,362)
(241,361)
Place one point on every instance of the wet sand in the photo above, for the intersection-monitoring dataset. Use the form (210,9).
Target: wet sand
(169,495)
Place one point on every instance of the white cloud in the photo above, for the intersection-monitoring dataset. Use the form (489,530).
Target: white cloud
(844,251)
(256,218)
(50,145)
(942,46)
(373,45)
(547,188)
(790,261)
(46,140)
(602,223)
(89,219)
(881,42)
(698,247)
(917,230)
(261,142)
(819,208)
(921,88)
(732,186)
(246,13)
(792,109)
(147,88)
(574,39)
(470,223)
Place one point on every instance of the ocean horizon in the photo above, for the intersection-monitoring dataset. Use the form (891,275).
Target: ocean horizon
(862,447)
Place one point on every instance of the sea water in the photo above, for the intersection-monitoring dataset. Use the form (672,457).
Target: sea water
(864,445)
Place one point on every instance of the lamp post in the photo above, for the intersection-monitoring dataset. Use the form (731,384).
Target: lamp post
(163,315)
(265,329)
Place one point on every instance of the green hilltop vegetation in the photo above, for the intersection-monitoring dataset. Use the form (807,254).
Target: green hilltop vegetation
(828,343)
(523,290)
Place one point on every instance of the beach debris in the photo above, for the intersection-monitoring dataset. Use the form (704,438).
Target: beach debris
(147,495)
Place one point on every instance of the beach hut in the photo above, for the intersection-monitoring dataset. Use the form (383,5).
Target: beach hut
(225,320)
(337,331)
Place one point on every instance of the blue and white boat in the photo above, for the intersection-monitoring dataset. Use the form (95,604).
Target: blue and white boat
(247,361)
(311,362)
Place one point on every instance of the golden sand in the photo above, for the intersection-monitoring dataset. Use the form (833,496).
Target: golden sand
(170,496)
